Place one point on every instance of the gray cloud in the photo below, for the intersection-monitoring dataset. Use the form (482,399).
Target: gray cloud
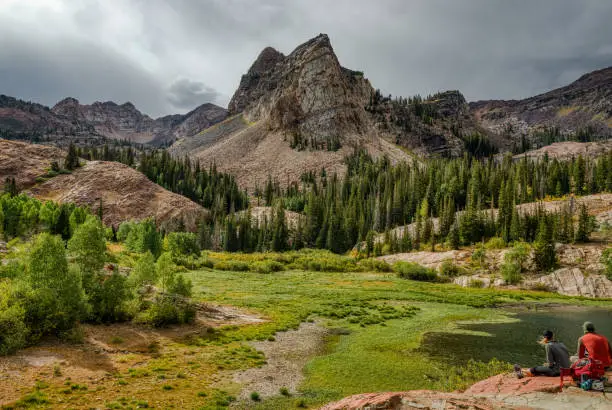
(134,49)
(185,94)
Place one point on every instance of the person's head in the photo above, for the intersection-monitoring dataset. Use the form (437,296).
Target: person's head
(588,327)
(547,336)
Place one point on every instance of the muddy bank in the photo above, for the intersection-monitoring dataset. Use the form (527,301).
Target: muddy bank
(286,357)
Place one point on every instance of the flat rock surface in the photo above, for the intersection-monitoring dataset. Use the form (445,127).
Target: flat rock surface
(417,399)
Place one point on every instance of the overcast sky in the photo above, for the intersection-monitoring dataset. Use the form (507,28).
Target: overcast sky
(168,56)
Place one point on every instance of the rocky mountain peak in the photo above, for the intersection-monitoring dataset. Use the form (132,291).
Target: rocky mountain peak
(266,60)
(68,101)
(306,93)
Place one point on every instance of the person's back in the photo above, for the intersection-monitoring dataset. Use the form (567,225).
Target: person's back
(597,346)
(557,355)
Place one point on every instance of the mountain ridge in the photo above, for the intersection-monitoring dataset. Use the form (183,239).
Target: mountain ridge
(69,119)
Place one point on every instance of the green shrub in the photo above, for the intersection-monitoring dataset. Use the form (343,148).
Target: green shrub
(476,283)
(414,271)
(143,236)
(450,270)
(479,256)
(495,243)
(53,298)
(183,244)
(13,330)
(168,310)
(255,396)
(374,265)
(234,266)
(266,266)
(108,297)
(518,254)
(511,272)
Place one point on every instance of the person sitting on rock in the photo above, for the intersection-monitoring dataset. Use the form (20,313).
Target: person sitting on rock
(597,346)
(557,357)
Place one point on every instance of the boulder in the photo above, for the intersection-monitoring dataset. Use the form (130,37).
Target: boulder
(573,282)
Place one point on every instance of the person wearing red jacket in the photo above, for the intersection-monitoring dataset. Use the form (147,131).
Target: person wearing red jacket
(596,345)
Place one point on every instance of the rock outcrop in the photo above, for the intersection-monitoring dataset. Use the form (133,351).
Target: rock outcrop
(503,391)
(583,106)
(69,120)
(574,282)
(417,399)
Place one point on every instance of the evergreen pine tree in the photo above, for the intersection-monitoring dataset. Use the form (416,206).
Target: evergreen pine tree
(584,223)
(72,159)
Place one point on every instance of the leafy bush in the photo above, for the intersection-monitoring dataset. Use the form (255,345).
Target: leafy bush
(54,298)
(495,243)
(518,254)
(143,236)
(476,283)
(479,256)
(414,271)
(13,330)
(183,244)
(374,265)
(450,270)
(235,266)
(266,267)
(168,310)
(511,272)
(88,245)
(144,272)
(109,297)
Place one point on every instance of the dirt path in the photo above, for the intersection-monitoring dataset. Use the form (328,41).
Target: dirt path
(286,358)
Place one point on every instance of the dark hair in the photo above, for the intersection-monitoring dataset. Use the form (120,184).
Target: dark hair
(548,334)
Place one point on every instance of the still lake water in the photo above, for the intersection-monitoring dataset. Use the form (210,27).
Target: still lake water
(516,342)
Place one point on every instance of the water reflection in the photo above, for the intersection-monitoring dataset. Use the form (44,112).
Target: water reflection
(515,342)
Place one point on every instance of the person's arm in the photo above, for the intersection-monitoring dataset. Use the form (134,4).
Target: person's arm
(550,358)
(581,349)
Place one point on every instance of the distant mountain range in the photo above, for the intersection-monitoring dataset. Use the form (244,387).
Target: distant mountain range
(303,111)
(71,119)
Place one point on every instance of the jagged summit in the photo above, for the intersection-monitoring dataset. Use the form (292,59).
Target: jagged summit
(306,94)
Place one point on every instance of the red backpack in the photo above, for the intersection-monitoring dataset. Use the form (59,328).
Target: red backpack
(591,369)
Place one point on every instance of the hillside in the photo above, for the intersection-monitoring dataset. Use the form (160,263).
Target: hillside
(290,115)
(26,162)
(569,149)
(582,107)
(69,120)
(124,192)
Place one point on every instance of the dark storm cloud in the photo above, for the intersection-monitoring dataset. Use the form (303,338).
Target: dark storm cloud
(136,49)
(187,94)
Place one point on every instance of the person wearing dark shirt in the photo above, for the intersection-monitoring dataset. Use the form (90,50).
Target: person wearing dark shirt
(557,357)
(597,346)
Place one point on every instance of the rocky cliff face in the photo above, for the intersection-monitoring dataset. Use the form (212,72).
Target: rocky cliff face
(308,93)
(71,120)
(585,106)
